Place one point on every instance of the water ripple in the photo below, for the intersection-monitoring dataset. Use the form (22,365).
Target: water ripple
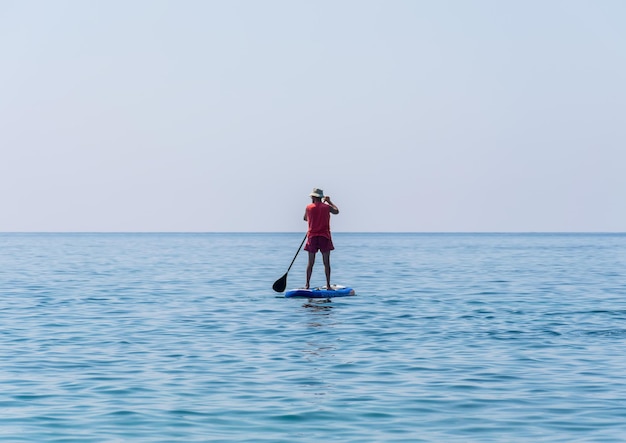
(160,338)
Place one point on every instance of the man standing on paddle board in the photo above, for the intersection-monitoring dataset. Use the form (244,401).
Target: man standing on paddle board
(317,214)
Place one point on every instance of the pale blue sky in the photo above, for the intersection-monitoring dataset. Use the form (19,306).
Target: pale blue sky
(436,115)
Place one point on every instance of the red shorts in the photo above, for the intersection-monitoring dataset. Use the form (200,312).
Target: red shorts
(323,244)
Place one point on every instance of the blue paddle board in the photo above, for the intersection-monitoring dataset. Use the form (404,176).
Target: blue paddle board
(336,291)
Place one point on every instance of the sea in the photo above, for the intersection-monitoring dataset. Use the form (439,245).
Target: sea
(150,337)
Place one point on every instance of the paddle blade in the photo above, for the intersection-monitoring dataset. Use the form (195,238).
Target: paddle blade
(280,284)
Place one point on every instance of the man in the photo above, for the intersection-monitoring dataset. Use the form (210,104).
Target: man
(317,214)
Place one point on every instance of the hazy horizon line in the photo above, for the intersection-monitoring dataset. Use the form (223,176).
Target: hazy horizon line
(300,232)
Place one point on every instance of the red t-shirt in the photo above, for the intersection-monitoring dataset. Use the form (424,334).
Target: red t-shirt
(318,216)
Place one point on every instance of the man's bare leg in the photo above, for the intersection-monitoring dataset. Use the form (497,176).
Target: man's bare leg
(326,258)
(309,269)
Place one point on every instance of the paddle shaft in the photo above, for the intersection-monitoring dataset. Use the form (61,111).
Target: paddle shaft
(294,257)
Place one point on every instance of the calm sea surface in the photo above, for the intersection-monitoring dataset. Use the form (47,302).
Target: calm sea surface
(179,337)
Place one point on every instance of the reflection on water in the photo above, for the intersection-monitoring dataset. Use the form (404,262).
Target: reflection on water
(319,353)
(318,305)
(320,311)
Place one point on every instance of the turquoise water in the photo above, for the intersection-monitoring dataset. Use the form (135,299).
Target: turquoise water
(179,337)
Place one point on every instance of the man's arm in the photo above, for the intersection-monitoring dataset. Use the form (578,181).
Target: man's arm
(333,208)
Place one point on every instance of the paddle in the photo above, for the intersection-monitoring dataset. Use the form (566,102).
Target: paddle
(281,283)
